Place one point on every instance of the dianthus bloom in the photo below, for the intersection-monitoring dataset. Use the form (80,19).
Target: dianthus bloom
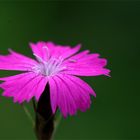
(57,66)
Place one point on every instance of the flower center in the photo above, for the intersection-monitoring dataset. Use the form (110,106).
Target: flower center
(50,67)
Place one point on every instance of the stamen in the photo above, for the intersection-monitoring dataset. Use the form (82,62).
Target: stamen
(47,52)
(38,57)
(72,60)
(49,67)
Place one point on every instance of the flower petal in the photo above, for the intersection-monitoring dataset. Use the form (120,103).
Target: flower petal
(71,52)
(60,94)
(41,87)
(40,49)
(57,50)
(34,88)
(69,94)
(82,84)
(88,71)
(85,64)
(23,86)
(53,50)
(80,94)
(53,94)
(63,51)
(16,61)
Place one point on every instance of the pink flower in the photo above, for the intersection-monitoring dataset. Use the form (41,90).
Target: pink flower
(58,66)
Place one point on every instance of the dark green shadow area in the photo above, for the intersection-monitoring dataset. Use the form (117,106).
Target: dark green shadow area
(109,28)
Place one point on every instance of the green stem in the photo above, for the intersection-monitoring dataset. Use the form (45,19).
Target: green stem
(34,104)
(57,122)
(28,114)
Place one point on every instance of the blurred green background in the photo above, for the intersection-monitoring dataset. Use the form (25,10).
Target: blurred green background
(109,28)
